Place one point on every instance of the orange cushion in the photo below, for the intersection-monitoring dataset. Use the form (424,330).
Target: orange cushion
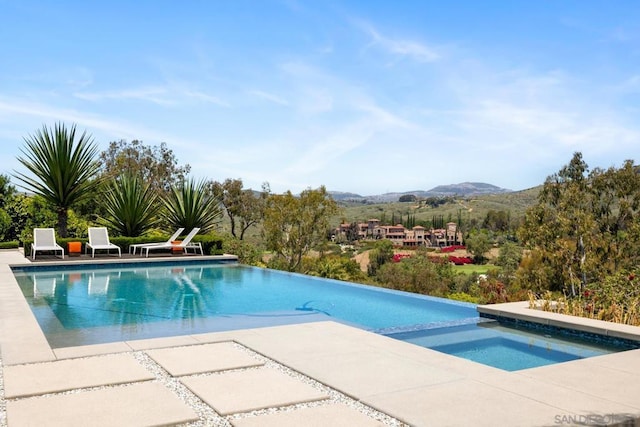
(74,246)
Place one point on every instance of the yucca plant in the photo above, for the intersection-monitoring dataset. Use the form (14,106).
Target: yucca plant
(191,205)
(132,206)
(63,168)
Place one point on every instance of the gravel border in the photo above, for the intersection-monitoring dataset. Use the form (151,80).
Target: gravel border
(3,402)
(334,395)
(207,415)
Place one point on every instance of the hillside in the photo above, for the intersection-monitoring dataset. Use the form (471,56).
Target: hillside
(469,207)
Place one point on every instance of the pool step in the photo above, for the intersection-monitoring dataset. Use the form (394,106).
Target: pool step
(433,325)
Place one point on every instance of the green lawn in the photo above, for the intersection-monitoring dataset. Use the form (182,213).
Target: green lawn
(471,268)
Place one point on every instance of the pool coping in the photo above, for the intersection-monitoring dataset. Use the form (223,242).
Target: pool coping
(416,385)
(521,311)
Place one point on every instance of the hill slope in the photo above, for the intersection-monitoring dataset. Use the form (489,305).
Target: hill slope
(468,207)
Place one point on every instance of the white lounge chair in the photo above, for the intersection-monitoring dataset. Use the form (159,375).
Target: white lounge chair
(185,245)
(133,248)
(44,239)
(99,239)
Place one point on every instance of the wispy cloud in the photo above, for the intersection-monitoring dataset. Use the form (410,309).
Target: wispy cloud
(166,96)
(403,48)
(268,96)
(154,94)
(33,114)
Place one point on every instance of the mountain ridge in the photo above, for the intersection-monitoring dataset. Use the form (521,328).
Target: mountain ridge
(461,189)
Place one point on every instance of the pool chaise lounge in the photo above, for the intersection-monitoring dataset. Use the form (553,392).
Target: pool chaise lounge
(44,239)
(185,245)
(133,248)
(99,240)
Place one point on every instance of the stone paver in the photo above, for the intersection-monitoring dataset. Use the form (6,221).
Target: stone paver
(51,377)
(334,415)
(590,377)
(568,400)
(365,373)
(21,339)
(197,359)
(164,342)
(243,391)
(91,350)
(463,403)
(144,404)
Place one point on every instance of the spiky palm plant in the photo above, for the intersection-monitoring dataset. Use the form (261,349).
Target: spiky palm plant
(63,168)
(191,205)
(132,206)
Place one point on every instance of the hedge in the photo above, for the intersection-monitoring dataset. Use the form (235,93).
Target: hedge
(210,245)
(13,244)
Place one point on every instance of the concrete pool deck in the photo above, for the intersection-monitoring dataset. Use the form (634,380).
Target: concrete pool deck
(322,373)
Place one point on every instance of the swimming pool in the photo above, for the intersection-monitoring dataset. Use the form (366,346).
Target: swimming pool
(79,305)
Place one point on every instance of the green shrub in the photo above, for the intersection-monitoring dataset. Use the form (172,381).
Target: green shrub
(210,244)
(462,296)
(13,244)
(614,299)
(246,252)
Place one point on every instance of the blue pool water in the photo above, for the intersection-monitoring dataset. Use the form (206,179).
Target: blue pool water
(97,304)
(505,346)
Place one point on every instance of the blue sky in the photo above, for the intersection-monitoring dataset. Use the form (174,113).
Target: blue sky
(361,96)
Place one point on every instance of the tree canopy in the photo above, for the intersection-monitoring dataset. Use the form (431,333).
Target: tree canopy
(156,165)
(294,225)
(244,207)
(585,225)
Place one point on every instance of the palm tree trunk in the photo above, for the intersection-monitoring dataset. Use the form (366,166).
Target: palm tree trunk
(62,221)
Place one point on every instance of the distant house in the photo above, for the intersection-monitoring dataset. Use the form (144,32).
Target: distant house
(401,236)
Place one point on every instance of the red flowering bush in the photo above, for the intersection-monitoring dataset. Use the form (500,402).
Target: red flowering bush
(460,260)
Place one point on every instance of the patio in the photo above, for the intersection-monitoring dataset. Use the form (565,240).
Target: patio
(322,373)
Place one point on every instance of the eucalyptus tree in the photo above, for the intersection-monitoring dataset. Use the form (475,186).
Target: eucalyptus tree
(379,255)
(293,225)
(585,226)
(244,207)
(157,165)
(190,205)
(62,168)
(478,243)
(560,224)
(132,206)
